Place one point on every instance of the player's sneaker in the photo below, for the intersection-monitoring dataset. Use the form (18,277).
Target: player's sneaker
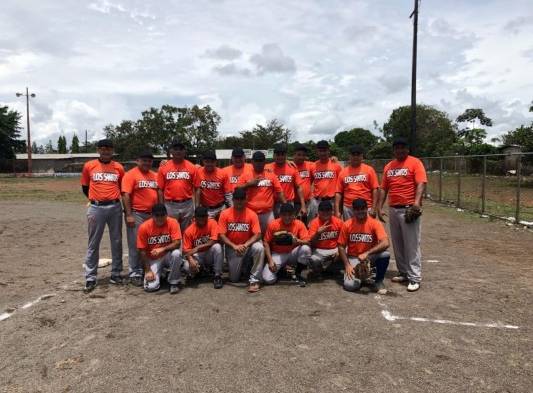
(399,278)
(380,288)
(217,282)
(115,279)
(174,289)
(136,281)
(89,286)
(413,286)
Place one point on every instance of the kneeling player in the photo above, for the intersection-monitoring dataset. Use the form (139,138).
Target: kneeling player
(324,233)
(158,242)
(201,248)
(286,243)
(363,238)
(240,231)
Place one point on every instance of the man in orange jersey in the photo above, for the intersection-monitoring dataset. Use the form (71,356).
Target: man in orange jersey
(175,179)
(286,243)
(289,179)
(404,180)
(324,232)
(201,248)
(305,169)
(139,194)
(100,182)
(212,186)
(262,187)
(237,168)
(363,237)
(324,176)
(357,180)
(239,230)
(158,241)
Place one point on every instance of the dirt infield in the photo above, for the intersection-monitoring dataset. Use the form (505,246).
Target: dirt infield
(471,330)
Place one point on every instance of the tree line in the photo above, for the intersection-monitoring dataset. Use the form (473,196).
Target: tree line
(197,127)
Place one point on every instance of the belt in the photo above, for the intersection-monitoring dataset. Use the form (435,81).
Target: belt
(400,206)
(141,211)
(105,203)
(324,199)
(178,200)
(216,206)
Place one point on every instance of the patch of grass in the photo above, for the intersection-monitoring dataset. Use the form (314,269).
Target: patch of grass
(50,189)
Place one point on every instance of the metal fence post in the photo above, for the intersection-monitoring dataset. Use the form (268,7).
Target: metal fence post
(518,184)
(483,185)
(458,183)
(440,179)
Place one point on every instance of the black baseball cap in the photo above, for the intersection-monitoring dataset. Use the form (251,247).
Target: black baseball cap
(237,152)
(359,204)
(322,144)
(209,155)
(200,211)
(325,206)
(286,208)
(280,148)
(159,210)
(258,156)
(239,193)
(300,147)
(176,144)
(105,143)
(400,141)
(146,154)
(357,149)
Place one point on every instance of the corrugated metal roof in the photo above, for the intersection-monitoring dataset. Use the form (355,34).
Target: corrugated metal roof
(24,156)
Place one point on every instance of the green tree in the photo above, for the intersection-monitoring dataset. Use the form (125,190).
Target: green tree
(434,130)
(61,144)
(75,144)
(264,137)
(229,142)
(356,136)
(49,148)
(522,136)
(34,147)
(9,133)
(381,149)
(129,141)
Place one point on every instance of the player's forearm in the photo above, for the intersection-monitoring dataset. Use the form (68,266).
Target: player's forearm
(375,198)
(380,247)
(126,201)
(206,246)
(252,240)
(338,198)
(300,194)
(85,190)
(281,197)
(160,196)
(419,192)
(382,197)
(145,260)
(172,246)
(343,256)
(268,254)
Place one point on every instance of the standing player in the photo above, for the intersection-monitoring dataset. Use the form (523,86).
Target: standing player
(363,237)
(175,179)
(239,230)
(201,248)
(324,176)
(305,168)
(289,178)
(158,241)
(286,243)
(324,232)
(212,186)
(261,186)
(237,168)
(100,182)
(358,180)
(139,194)
(404,180)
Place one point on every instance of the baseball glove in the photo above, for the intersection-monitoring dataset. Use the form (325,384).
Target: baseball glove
(362,270)
(412,213)
(283,238)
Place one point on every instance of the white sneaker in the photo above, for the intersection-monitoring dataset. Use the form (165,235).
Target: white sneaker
(399,278)
(413,286)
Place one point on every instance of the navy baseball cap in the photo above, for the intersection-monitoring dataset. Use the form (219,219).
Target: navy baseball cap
(400,141)
(322,144)
(325,206)
(200,211)
(105,143)
(359,204)
(357,149)
(176,144)
(159,209)
(146,154)
(286,208)
(237,152)
(280,148)
(300,147)
(258,156)
(239,193)
(210,155)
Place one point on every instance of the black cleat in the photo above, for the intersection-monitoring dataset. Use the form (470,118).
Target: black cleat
(115,279)
(174,289)
(89,286)
(217,282)
(136,281)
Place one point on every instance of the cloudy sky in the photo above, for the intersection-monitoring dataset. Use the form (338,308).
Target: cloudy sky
(318,65)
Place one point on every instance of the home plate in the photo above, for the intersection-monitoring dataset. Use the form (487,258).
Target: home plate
(103,262)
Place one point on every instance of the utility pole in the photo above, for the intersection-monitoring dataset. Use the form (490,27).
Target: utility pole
(86,141)
(28,141)
(412,138)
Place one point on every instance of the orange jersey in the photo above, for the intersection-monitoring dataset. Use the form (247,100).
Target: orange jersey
(400,179)
(235,173)
(356,183)
(260,198)
(103,179)
(195,236)
(238,227)
(304,170)
(142,188)
(288,177)
(176,180)
(213,186)
(297,228)
(324,177)
(150,236)
(328,239)
(361,237)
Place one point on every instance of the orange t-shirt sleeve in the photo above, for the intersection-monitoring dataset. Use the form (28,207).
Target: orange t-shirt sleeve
(343,236)
(226,185)
(222,224)
(187,241)
(213,230)
(380,230)
(373,179)
(85,176)
(420,173)
(298,181)
(128,183)
(141,238)
(340,185)
(174,229)
(256,228)
(121,173)
(302,231)
(160,179)
(313,228)
(385,180)
(276,184)
(269,235)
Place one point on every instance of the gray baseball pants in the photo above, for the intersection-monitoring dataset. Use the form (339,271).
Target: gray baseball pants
(213,256)
(181,211)
(353,284)
(255,254)
(300,254)
(264,219)
(134,262)
(172,261)
(406,244)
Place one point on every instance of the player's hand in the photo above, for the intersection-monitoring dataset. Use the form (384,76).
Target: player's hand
(130,221)
(338,214)
(240,249)
(381,215)
(349,270)
(149,276)
(157,252)
(163,162)
(363,256)
(372,213)
(303,211)
(193,265)
(323,228)
(272,266)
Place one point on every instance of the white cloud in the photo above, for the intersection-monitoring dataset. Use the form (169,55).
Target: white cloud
(272,59)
